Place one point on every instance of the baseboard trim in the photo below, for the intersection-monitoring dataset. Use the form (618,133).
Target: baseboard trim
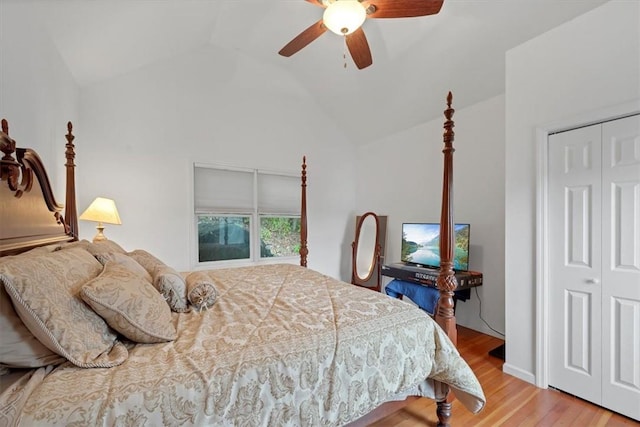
(519,373)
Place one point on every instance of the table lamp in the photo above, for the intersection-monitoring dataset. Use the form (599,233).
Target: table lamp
(101,210)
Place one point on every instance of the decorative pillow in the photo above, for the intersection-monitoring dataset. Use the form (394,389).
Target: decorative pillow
(130,304)
(20,349)
(109,246)
(41,250)
(44,290)
(201,291)
(130,263)
(103,247)
(145,259)
(84,244)
(172,287)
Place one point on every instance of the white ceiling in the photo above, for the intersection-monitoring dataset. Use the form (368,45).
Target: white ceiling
(416,61)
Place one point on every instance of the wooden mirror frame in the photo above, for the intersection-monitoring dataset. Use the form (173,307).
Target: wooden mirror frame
(373,280)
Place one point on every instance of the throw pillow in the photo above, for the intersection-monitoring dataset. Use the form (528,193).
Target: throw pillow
(45,293)
(172,287)
(130,304)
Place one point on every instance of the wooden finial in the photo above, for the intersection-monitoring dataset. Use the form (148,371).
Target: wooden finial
(69,135)
(449,134)
(303,176)
(7,145)
(70,153)
(304,250)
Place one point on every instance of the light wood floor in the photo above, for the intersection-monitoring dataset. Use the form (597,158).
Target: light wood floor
(510,401)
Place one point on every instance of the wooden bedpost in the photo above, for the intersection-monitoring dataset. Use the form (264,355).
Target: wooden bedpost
(71,211)
(304,251)
(446,281)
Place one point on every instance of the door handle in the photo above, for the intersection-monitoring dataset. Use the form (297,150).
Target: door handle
(593,281)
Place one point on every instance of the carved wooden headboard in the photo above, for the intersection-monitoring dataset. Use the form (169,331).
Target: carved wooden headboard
(29,213)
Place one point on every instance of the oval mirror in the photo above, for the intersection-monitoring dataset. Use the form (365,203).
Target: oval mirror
(366,243)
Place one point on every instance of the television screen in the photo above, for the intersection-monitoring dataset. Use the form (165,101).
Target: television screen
(421,245)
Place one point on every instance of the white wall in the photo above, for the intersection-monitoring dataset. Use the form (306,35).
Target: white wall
(145,129)
(586,65)
(138,135)
(38,95)
(401,176)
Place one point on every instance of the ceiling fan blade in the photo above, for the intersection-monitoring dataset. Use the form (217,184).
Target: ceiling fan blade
(359,49)
(317,3)
(404,8)
(303,39)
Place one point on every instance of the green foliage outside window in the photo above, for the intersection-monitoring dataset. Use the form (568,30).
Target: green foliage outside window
(279,236)
(222,238)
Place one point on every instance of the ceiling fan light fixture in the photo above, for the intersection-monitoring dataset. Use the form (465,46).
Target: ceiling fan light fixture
(343,17)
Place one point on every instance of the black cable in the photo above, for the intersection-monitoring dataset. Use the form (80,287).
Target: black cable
(481,318)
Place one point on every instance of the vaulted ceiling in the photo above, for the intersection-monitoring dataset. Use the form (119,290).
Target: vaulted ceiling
(415,60)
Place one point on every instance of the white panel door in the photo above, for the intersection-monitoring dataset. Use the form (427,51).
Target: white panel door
(621,266)
(594,265)
(574,262)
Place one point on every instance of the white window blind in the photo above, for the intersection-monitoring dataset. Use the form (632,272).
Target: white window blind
(223,190)
(218,190)
(278,194)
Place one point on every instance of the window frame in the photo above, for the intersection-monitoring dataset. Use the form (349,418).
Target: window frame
(255,216)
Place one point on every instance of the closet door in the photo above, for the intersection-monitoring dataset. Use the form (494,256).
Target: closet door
(574,262)
(594,265)
(621,266)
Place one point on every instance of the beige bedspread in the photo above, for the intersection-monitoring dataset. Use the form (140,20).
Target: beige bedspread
(282,346)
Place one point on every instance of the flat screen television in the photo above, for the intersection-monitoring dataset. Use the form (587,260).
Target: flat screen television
(421,245)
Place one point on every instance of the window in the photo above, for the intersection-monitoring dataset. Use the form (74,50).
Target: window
(245,215)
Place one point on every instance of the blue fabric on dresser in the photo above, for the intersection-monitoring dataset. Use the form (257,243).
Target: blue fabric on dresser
(424,296)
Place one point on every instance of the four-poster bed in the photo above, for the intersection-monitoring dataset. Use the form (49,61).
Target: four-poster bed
(281,344)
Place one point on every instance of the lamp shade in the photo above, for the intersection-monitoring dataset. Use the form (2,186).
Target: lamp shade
(102,210)
(343,17)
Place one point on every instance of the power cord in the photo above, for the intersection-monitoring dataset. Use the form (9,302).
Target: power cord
(482,318)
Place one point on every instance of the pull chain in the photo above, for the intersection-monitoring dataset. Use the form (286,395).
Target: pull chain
(344,52)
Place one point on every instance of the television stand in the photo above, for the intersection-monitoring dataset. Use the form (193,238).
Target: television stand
(429,276)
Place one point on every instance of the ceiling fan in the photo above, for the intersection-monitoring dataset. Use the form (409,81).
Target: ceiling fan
(345,17)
